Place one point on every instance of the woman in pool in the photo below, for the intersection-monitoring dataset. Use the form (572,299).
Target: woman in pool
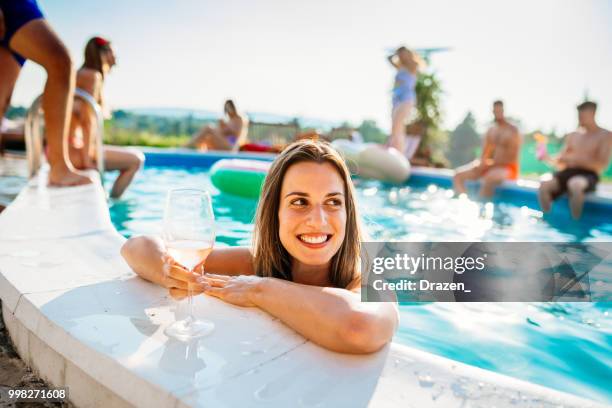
(407,64)
(228,135)
(99,59)
(304,264)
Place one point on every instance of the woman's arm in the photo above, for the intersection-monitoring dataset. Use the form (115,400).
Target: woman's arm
(393,60)
(147,256)
(332,317)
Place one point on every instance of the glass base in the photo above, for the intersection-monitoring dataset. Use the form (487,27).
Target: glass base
(189,328)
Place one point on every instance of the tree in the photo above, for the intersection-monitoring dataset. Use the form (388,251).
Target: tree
(464,142)
(429,92)
(429,115)
(371,133)
(190,126)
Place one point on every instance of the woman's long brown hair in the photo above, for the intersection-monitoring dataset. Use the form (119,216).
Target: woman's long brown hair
(93,53)
(271,259)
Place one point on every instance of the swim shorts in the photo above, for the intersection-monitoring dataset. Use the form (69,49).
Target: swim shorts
(17,13)
(513,170)
(564,176)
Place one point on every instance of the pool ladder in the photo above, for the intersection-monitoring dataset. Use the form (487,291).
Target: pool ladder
(34,133)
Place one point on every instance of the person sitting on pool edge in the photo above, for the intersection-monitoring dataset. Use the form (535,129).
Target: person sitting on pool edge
(499,159)
(99,60)
(228,135)
(584,156)
(304,267)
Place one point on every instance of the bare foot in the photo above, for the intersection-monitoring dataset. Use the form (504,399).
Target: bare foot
(64,177)
(545,200)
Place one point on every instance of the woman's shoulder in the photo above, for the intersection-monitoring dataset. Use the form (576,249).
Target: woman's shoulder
(85,72)
(355,284)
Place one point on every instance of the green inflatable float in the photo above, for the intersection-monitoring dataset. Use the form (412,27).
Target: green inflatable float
(239,177)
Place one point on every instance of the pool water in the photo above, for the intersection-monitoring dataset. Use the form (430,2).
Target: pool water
(566,346)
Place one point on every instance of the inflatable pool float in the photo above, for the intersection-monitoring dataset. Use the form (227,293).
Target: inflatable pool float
(260,148)
(371,160)
(239,177)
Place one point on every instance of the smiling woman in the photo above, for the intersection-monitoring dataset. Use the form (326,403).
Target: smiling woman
(304,264)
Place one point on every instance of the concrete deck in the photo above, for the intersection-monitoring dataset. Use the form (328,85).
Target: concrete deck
(81,318)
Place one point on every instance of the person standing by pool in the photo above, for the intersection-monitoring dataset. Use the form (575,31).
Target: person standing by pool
(584,156)
(99,60)
(407,63)
(304,267)
(24,34)
(499,159)
(230,133)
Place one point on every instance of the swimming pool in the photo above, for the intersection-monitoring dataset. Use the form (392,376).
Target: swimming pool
(561,345)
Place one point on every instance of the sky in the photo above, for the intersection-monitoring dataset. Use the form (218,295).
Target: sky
(327,59)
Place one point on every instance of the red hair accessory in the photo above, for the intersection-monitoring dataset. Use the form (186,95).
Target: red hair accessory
(101,42)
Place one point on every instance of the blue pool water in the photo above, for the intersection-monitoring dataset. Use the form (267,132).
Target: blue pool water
(566,346)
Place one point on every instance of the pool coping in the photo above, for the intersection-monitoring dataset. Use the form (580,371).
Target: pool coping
(600,196)
(523,189)
(66,292)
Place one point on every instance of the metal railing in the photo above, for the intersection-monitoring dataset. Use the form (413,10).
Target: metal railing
(34,133)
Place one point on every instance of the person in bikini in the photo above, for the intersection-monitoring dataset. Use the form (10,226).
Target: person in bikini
(499,159)
(407,64)
(585,155)
(98,63)
(228,135)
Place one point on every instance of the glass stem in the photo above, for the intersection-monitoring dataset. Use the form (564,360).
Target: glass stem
(190,300)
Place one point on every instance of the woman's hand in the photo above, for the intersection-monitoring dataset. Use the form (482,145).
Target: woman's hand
(177,279)
(237,290)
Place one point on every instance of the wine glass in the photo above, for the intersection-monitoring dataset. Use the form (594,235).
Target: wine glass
(189,235)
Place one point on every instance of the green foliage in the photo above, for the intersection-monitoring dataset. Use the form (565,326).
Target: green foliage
(160,125)
(429,114)
(437,142)
(464,142)
(429,93)
(127,137)
(127,128)
(117,135)
(371,132)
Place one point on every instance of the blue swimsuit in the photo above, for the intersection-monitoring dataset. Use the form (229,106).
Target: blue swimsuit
(17,13)
(404,87)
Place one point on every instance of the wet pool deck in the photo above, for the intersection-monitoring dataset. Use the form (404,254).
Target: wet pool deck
(13,177)
(80,317)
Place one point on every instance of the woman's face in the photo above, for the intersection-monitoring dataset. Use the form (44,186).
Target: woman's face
(108,57)
(312,212)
